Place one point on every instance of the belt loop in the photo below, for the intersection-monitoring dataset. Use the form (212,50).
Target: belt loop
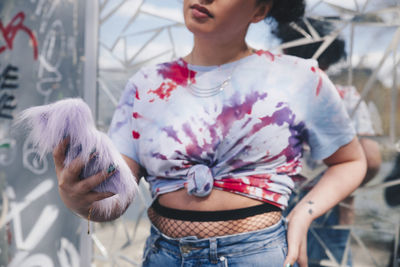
(224,260)
(213,251)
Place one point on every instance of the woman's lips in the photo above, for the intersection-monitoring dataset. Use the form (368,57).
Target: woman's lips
(199,11)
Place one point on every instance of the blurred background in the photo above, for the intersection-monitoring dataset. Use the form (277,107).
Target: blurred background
(53,49)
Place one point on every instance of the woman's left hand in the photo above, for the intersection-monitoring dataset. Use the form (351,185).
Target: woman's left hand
(297,240)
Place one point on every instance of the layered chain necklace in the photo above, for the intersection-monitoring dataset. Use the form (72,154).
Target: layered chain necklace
(208,91)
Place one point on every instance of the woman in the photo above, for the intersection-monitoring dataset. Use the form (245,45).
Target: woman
(218,135)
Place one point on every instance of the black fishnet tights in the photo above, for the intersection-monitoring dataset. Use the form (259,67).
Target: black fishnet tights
(177,228)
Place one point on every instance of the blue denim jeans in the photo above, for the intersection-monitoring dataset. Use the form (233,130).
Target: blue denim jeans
(266,247)
(334,239)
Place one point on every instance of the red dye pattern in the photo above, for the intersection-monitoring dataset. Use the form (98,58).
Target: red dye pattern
(137,115)
(261,176)
(135,135)
(10,31)
(268,54)
(249,180)
(341,92)
(184,165)
(176,168)
(245,189)
(233,187)
(318,90)
(276,197)
(313,69)
(164,91)
(137,95)
(288,168)
(151,100)
(176,72)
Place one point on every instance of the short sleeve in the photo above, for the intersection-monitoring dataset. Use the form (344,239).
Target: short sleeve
(361,118)
(121,130)
(330,125)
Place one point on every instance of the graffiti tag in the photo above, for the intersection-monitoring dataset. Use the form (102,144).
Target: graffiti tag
(67,254)
(9,32)
(8,81)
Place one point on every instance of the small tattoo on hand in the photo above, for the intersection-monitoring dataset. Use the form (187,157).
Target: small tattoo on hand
(310,202)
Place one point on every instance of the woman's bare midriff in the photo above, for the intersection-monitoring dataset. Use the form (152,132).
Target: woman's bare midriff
(217,200)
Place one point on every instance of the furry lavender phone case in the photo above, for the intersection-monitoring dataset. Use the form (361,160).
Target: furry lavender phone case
(72,118)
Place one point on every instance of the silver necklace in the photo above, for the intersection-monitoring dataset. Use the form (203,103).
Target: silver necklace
(207,92)
(211,91)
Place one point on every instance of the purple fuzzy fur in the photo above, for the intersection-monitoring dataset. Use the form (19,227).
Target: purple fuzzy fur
(50,124)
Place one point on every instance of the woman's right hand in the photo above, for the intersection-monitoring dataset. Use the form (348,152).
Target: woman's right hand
(76,193)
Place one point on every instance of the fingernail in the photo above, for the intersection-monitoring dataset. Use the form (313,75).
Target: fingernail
(111,168)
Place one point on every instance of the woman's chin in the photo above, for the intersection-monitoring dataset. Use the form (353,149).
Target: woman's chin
(199,29)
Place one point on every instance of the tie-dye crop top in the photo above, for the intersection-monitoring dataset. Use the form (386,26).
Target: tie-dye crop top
(247,139)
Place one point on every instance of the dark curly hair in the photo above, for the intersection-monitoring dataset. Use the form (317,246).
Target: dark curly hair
(285,11)
(334,52)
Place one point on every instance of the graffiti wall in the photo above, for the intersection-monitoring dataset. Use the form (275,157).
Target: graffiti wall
(41,60)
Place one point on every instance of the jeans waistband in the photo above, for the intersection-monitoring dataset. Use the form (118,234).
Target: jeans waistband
(272,231)
(216,248)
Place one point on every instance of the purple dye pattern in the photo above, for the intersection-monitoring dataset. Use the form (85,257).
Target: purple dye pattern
(159,156)
(238,163)
(236,111)
(126,101)
(127,97)
(171,133)
(247,122)
(296,143)
(195,150)
(119,124)
(229,115)
(279,117)
(186,161)
(182,156)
